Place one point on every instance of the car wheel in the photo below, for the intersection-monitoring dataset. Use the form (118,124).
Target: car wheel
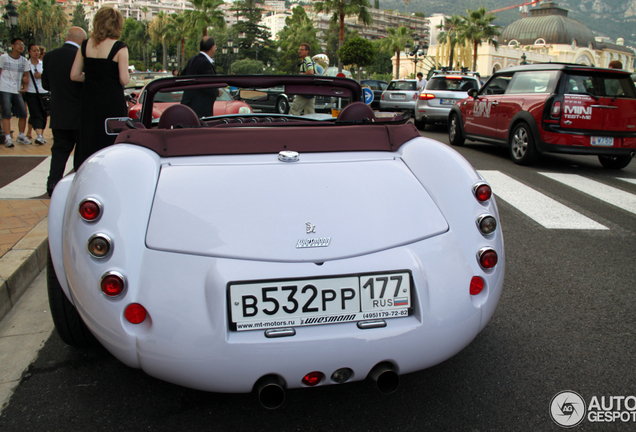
(615,162)
(68,323)
(282,106)
(455,135)
(522,149)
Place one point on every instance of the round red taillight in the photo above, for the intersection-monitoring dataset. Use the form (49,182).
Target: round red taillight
(135,313)
(487,258)
(476,285)
(482,192)
(90,209)
(312,378)
(112,284)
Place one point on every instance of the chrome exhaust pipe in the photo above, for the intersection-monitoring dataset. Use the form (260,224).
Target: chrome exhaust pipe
(385,376)
(270,391)
(632,154)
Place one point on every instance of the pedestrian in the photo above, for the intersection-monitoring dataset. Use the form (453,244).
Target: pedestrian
(421,82)
(201,101)
(304,103)
(14,75)
(34,90)
(29,132)
(101,64)
(615,64)
(65,103)
(175,72)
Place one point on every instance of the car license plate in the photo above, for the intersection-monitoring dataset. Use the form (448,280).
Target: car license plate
(447,101)
(397,96)
(304,302)
(602,141)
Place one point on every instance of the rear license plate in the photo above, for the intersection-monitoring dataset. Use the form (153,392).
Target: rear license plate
(397,96)
(447,101)
(304,302)
(602,141)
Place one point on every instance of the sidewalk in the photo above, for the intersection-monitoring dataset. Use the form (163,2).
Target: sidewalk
(23,231)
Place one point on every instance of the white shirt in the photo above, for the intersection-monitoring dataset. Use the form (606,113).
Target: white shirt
(421,84)
(12,71)
(35,69)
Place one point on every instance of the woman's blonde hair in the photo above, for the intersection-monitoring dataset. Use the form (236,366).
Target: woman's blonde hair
(108,23)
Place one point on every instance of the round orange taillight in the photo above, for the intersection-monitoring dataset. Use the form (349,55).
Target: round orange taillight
(482,192)
(476,285)
(100,245)
(312,378)
(135,313)
(112,284)
(90,209)
(487,258)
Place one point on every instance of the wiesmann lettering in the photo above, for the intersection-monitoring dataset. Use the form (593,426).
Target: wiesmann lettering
(313,242)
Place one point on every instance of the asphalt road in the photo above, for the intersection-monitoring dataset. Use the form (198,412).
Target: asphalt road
(566,321)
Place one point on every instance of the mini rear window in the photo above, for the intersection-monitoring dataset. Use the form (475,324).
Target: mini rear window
(600,85)
(452,84)
(402,85)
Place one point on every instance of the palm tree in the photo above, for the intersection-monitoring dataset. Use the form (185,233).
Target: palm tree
(478,28)
(395,42)
(43,17)
(157,28)
(206,13)
(178,28)
(451,34)
(342,9)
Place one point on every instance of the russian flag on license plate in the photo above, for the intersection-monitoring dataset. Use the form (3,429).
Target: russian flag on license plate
(401,301)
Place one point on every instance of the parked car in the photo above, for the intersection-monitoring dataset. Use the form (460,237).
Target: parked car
(400,95)
(378,88)
(277,101)
(552,107)
(333,71)
(265,252)
(442,91)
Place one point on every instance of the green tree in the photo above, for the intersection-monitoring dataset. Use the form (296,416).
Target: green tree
(332,42)
(357,51)
(394,42)
(79,17)
(158,30)
(478,28)
(341,9)
(178,28)
(44,18)
(206,13)
(253,32)
(452,34)
(298,29)
(247,66)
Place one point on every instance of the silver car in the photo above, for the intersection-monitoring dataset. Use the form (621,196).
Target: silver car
(441,93)
(400,95)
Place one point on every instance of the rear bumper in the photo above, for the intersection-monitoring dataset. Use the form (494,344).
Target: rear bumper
(386,105)
(580,143)
(432,114)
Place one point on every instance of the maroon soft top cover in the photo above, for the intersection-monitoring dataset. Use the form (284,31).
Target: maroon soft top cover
(270,139)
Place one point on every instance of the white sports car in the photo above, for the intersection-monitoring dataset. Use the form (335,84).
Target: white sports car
(264,252)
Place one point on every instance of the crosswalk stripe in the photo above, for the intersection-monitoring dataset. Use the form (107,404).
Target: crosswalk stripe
(33,183)
(629,180)
(544,210)
(603,192)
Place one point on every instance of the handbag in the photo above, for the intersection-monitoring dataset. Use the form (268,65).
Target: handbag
(45,98)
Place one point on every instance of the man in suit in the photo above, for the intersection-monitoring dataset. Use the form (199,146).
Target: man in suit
(65,103)
(201,101)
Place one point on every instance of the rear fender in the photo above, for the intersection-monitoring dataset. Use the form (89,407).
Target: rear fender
(57,215)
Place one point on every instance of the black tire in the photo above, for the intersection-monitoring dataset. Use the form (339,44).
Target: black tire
(282,106)
(522,148)
(614,162)
(455,135)
(68,323)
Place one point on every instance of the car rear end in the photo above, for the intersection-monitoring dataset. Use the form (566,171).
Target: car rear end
(441,93)
(400,95)
(594,112)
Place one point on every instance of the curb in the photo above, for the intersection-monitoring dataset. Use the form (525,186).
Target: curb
(21,265)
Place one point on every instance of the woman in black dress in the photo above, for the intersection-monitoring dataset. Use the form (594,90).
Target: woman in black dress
(102,65)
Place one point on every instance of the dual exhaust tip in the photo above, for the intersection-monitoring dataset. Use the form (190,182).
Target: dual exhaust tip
(270,389)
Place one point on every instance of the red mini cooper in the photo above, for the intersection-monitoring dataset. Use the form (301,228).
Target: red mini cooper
(552,107)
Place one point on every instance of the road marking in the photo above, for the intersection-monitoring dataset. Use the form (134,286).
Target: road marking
(544,210)
(629,180)
(603,192)
(33,183)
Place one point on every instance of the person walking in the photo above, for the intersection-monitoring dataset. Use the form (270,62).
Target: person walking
(14,74)
(65,103)
(201,101)
(101,64)
(304,103)
(421,82)
(37,118)
(29,131)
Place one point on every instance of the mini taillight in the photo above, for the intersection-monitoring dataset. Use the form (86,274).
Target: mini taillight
(382,96)
(426,96)
(90,209)
(135,313)
(415,96)
(476,285)
(556,110)
(487,224)
(482,192)
(100,245)
(487,258)
(312,378)
(112,284)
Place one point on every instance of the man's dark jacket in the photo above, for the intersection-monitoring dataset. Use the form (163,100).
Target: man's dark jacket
(65,93)
(201,101)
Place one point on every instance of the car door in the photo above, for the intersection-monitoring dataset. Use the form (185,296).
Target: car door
(482,111)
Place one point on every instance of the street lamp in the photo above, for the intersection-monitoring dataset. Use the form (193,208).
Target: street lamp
(11,17)
(420,49)
(523,59)
(256,46)
(230,49)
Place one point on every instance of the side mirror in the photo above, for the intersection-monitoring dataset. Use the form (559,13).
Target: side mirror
(473,93)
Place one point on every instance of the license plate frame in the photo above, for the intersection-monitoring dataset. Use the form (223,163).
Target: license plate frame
(447,101)
(398,96)
(273,303)
(598,141)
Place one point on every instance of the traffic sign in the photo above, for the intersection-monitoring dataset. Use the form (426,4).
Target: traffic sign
(368,96)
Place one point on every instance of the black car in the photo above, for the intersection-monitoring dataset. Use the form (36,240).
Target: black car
(378,87)
(275,100)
